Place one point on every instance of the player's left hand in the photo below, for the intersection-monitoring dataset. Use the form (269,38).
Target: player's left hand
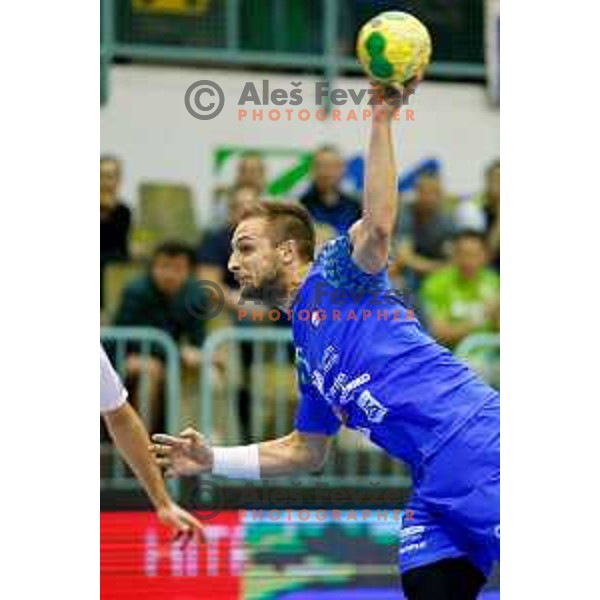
(184,525)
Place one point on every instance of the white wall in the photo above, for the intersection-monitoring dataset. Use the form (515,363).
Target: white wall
(146,123)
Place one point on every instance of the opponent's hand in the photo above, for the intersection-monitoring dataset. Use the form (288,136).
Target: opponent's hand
(188,454)
(185,526)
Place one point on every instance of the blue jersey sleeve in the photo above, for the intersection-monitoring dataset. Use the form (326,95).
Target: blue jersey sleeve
(314,415)
(340,270)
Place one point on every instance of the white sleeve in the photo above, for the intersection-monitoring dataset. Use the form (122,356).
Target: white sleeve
(112,392)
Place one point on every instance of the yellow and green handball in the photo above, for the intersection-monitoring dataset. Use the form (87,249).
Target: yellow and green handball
(394,47)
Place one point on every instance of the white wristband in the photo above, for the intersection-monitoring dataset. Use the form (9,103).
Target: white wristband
(237,462)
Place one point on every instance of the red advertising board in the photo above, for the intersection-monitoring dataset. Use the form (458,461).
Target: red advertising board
(256,554)
(140,560)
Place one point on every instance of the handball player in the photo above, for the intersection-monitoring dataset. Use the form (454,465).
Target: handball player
(379,373)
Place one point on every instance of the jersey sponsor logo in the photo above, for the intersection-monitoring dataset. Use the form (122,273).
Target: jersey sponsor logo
(338,385)
(413,547)
(342,389)
(352,385)
(330,358)
(373,409)
(411,532)
(319,382)
(411,539)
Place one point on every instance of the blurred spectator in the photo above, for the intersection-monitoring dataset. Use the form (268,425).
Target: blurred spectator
(115,216)
(482,212)
(463,298)
(213,253)
(212,257)
(160,299)
(490,199)
(324,200)
(251,172)
(424,231)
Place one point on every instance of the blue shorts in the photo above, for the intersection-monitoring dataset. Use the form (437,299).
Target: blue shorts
(456,507)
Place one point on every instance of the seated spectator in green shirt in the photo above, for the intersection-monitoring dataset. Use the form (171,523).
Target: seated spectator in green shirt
(463,298)
(161,299)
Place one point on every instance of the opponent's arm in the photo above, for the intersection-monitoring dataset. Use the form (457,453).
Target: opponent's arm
(132,440)
(372,234)
(191,454)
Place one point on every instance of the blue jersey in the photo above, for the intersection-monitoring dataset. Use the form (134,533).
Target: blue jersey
(364,360)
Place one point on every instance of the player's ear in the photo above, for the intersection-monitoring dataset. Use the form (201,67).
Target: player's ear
(287,251)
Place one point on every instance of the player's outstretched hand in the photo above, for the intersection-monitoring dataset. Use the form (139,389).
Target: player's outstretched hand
(185,526)
(188,454)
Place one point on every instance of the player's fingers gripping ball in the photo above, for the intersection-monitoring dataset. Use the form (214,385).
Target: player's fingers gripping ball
(394,47)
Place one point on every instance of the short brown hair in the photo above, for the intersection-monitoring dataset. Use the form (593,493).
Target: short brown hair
(287,221)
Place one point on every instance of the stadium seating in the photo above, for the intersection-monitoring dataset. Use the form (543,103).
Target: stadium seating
(166,211)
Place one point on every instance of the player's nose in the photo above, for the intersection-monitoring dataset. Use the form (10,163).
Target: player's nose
(233,264)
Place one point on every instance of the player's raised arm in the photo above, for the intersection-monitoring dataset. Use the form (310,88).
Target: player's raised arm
(372,234)
(191,454)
